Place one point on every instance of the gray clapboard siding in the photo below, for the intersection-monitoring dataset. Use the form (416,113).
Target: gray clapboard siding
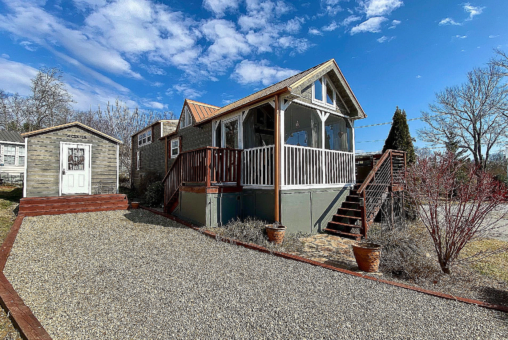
(43,160)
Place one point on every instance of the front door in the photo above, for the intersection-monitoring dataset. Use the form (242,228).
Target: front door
(76,168)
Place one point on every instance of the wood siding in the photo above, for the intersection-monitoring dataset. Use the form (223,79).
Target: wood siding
(43,161)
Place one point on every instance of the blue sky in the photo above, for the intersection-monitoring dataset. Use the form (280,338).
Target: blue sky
(153,54)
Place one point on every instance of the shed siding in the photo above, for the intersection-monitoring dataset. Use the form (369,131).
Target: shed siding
(43,157)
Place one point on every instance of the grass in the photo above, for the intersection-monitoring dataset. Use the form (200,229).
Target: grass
(9,198)
(495,266)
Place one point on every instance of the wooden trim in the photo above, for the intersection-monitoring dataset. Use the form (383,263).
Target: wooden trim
(276,156)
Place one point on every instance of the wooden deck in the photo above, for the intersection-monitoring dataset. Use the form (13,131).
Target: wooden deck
(56,205)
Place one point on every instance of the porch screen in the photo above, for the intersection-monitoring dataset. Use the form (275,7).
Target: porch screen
(338,134)
(302,126)
(258,127)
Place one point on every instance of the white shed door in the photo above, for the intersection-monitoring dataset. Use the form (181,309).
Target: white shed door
(76,167)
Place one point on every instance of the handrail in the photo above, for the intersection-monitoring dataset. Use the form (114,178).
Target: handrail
(369,178)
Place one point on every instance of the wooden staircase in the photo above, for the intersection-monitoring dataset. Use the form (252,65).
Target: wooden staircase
(56,205)
(366,198)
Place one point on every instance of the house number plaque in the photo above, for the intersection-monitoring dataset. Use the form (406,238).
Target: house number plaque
(76,136)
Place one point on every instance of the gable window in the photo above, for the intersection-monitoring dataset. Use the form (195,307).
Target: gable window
(323,92)
(145,137)
(175,147)
(186,119)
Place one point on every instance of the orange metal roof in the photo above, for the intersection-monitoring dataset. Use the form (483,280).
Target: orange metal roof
(201,111)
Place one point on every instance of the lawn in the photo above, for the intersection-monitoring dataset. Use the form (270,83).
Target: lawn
(9,200)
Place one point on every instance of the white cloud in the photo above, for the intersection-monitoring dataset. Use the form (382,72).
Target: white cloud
(350,19)
(254,72)
(152,69)
(331,7)
(5,56)
(493,36)
(28,46)
(384,38)
(219,7)
(418,76)
(461,36)
(395,23)
(314,31)
(154,105)
(157,84)
(332,27)
(294,25)
(376,8)
(372,25)
(472,10)
(449,21)
(186,91)
(16,77)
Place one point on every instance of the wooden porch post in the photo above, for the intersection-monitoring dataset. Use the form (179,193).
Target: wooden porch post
(276,155)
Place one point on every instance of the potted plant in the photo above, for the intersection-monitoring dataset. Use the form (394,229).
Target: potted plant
(367,256)
(275,232)
(134,205)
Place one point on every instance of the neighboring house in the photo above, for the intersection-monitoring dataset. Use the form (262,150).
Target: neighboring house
(285,153)
(70,159)
(148,152)
(12,156)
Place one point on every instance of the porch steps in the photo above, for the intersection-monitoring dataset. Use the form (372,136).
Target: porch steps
(34,206)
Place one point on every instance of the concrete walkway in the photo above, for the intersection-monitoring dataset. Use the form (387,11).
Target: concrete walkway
(136,275)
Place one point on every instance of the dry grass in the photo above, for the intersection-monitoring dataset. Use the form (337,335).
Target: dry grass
(9,199)
(495,266)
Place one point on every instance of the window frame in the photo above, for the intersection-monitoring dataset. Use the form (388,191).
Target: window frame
(186,120)
(325,80)
(177,140)
(144,136)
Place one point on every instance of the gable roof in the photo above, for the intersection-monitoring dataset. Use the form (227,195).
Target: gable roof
(64,126)
(287,85)
(201,111)
(11,136)
(155,123)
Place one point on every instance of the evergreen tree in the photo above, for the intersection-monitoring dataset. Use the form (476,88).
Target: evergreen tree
(452,146)
(399,137)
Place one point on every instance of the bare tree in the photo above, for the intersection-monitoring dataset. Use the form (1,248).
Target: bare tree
(475,114)
(474,211)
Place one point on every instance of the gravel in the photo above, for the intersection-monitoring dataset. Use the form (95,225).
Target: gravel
(136,275)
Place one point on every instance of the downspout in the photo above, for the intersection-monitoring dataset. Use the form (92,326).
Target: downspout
(276,182)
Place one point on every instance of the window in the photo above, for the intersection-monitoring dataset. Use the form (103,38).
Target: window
(175,147)
(138,161)
(9,155)
(338,134)
(186,119)
(323,92)
(218,134)
(21,157)
(145,137)
(76,159)
(302,126)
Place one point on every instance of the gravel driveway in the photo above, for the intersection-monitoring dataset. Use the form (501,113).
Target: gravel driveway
(136,275)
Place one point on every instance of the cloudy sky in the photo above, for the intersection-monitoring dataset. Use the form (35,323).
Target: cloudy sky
(153,54)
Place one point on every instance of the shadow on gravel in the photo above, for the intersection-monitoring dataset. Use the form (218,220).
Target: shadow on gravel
(495,296)
(143,216)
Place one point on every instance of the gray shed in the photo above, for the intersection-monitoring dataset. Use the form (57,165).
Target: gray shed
(70,159)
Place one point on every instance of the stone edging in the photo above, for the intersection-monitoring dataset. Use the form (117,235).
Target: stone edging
(21,315)
(326,266)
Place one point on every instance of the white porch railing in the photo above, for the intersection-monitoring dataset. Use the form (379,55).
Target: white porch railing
(258,166)
(302,167)
(309,166)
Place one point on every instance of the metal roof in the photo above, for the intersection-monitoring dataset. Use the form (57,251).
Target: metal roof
(11,136)
(201,111)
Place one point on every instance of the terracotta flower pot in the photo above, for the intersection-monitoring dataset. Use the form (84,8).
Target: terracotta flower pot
(135,205)
(367,256)
(275,233)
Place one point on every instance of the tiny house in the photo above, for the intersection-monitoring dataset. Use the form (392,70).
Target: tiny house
(70,159)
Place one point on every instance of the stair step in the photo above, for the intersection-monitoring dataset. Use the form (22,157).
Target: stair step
(348,216)
(71,199)
(65,205)
(343,225)
(358,237)
(349,209)
(77,210)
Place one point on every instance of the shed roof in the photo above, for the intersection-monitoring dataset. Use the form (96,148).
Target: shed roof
(11,136)
(68,125)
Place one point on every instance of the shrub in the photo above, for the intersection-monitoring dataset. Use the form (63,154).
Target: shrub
(154,194)
(146,181)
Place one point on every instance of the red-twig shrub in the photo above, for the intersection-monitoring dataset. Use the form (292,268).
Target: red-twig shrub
(456,202)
